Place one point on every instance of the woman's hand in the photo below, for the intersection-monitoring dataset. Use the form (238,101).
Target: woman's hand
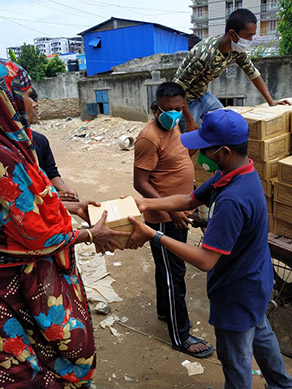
(80,208)
(68,195)
(141,234)
(104,237)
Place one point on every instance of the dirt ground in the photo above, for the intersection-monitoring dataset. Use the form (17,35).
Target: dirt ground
(93,163)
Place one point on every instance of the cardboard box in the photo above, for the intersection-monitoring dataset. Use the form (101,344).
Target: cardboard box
(239,109)
(267,170)
(286,110)
(266,150)
(268,187)
(271,222)
(283,228)
(117,218)
(264,124)
(285,170)
(269,204)
(283,193)
(283,212)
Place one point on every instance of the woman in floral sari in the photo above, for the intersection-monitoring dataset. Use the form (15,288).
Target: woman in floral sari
(46,338)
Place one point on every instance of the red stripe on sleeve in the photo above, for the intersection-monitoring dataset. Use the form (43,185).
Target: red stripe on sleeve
(215,249)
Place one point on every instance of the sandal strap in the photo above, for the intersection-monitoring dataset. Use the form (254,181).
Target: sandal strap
(192,340)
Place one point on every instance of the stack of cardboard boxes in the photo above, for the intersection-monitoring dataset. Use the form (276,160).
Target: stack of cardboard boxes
(269,142)
(283,199)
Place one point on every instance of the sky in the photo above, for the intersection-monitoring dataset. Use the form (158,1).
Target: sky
(23,20)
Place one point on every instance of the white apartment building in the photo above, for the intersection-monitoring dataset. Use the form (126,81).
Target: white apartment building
(43,44)
(209,17)
(49,46)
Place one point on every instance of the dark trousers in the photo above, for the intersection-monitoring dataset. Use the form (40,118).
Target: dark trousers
(170,284)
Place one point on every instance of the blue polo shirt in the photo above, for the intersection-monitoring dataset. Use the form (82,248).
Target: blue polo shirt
(240,284)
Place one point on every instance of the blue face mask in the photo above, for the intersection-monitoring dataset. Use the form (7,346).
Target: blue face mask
(169,119)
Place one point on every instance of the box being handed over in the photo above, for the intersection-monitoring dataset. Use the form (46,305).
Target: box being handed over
(117,217)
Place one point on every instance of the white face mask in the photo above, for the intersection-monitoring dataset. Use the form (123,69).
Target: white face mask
(242,45)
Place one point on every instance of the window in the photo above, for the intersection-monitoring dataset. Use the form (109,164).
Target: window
(264,6)
(272,26)
(274,4)
(200,12)
(238,4)
(229,8)
(95,42)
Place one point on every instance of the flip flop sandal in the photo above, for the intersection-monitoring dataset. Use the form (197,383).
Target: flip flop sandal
(189,342)
(163,318)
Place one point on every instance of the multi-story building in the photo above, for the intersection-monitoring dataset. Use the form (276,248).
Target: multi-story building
(75,44)
(16,49)
(59,45)
(209,17)
(49,46)
(43,44)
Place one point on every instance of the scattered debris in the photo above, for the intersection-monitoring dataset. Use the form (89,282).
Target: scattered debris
(96,279)
(126,142)
(257,372)
(108,322)
(102,308)
(193,367)
(127,378)
(102,130)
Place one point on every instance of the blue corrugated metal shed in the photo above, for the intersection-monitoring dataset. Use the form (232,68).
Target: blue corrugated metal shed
(116,41)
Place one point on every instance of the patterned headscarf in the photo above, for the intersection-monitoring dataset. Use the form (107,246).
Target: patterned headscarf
(33,221)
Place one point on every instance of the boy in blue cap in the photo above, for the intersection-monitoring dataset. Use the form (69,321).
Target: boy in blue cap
(234,251)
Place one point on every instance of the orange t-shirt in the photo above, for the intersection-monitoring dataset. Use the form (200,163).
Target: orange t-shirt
(172,171)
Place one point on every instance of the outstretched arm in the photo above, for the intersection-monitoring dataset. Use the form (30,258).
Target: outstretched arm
(262,88)
(170,203)
(202,258)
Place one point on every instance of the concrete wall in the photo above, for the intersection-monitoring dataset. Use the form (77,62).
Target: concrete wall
(127,94)
(58,109)
(276,72)
(128,86)
(61,87)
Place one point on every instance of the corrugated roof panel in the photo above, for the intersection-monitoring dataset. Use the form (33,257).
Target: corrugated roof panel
(94,42)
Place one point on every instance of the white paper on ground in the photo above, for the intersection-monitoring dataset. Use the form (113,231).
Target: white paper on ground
(193,367)
(96,279)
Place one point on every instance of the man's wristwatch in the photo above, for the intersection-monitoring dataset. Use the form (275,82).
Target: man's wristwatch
(156,240)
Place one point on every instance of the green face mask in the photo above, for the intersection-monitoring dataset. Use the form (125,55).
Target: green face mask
(207,163)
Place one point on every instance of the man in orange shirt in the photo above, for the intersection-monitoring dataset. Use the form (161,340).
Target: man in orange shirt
(162,167)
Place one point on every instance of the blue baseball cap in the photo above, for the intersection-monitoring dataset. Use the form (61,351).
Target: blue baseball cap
(218,128)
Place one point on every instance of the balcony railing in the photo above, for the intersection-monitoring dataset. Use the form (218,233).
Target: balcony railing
(268,31)
(270,8)
(199,3)
(199,17)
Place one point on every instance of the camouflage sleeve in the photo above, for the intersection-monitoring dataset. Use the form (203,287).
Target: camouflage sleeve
(191,67)
(247,66)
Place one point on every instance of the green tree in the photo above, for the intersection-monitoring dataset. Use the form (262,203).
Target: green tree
(285,27)
(12,55)
(54,66)
(33,61)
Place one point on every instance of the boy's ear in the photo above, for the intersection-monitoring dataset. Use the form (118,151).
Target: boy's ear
(154,107)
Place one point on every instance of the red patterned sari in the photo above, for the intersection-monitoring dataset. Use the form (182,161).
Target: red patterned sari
(46,338)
